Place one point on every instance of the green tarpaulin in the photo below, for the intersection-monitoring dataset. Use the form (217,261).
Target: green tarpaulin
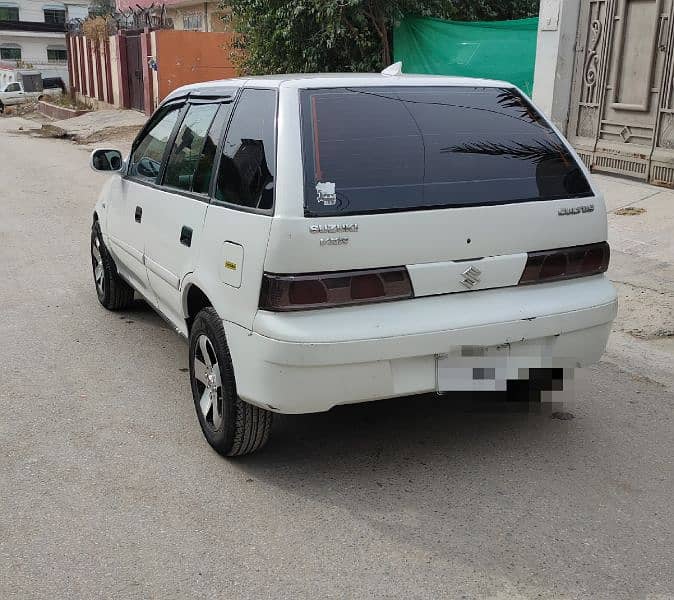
(492,49)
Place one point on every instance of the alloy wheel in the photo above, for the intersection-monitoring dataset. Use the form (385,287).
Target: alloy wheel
(209,382)
(99,267)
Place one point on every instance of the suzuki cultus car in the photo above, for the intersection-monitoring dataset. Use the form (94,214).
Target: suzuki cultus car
(332,239)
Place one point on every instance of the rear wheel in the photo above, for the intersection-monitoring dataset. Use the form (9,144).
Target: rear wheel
(112,291)
(230,425)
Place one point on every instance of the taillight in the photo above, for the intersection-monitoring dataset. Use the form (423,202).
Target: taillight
(325,290)
(566,263)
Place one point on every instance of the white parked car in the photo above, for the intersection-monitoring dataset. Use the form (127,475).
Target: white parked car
(332,239)
(13,93)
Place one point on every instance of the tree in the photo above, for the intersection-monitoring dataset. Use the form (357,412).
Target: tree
(494,10)
(285,36)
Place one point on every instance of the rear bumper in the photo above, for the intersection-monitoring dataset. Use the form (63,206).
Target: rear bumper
(312,361)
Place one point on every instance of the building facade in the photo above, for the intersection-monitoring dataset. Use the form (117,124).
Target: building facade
(186,15)
(32,35)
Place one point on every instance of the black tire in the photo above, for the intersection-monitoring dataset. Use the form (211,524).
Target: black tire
(112,291)
(2,108)
(230,425)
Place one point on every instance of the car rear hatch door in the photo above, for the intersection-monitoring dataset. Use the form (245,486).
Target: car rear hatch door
(457,184)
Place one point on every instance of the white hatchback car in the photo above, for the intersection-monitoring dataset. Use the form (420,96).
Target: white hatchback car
(330,239)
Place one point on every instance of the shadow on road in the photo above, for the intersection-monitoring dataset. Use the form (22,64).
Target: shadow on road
(142,312)
(416,426)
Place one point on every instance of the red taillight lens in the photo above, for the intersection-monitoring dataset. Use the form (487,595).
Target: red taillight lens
(325,290)
(364,287)
(566,263)
(307,292)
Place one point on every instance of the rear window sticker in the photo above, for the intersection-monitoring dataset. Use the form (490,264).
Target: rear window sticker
(326,194)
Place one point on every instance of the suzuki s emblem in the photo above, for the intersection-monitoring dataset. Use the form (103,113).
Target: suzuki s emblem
(471,277)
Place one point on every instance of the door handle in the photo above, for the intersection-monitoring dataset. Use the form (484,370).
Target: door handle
(139,214)
(186,236)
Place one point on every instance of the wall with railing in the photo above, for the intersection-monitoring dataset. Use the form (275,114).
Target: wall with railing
(139,68)
(90,69)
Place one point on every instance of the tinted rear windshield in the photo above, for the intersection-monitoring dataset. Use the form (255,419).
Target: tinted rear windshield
(376,149)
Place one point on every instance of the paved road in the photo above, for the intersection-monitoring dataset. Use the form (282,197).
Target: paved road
(107,489)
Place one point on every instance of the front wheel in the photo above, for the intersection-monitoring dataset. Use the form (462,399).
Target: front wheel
(112,291)
(230,425)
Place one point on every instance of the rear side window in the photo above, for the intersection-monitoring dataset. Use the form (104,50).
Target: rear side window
(204,172)
(247,165)
(389,149)
(188,146)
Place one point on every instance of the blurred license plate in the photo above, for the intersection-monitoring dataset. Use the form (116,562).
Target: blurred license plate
(473,368)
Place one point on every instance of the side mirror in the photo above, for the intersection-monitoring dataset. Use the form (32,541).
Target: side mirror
(104,159)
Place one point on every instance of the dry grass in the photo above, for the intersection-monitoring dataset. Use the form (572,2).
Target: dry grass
(65,101)
(630,211)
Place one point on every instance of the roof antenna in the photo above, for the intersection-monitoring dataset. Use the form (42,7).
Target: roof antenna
(394,69)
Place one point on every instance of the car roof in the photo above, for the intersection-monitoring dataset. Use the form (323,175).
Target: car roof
(326,80)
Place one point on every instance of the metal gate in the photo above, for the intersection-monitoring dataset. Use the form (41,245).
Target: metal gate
(134,72)
(622,108)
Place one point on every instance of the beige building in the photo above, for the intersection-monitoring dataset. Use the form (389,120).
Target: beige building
(197,16)
(187,15)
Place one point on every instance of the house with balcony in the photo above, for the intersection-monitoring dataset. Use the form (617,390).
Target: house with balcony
(32,35)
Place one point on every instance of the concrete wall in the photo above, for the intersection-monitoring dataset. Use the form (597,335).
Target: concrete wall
(58,112)
(105,73)
(215,16)
(95,71)
(210,11)
(87,69)
(558,23)
(191,57)
(114,70)
(77,10)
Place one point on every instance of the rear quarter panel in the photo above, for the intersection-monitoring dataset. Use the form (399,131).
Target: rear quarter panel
(235,299)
